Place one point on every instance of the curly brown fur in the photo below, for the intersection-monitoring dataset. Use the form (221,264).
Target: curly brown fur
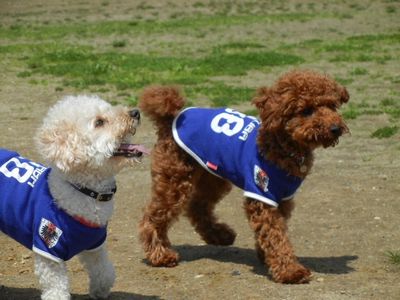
(298,114)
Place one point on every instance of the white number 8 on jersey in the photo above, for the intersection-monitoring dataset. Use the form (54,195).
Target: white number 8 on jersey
(223,123)
(15,171)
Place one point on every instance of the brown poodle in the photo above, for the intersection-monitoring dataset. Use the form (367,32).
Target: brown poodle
(191,173)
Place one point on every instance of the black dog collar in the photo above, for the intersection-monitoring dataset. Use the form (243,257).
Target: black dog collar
(95,195)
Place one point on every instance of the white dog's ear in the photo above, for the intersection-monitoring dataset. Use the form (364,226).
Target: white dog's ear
(59,145)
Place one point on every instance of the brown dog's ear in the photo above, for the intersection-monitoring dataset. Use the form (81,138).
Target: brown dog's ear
(60,145)
(344,95)
(263,95)
(266,101)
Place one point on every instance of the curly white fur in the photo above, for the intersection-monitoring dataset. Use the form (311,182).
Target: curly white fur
(78,138)
(101,272)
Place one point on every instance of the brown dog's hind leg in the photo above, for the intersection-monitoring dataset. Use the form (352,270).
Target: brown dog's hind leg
(272,243)
(172,187)
(208,191)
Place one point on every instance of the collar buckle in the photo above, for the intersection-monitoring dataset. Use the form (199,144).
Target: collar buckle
(104,197)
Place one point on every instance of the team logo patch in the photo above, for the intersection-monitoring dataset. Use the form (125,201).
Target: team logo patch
(49,233)
(261,178)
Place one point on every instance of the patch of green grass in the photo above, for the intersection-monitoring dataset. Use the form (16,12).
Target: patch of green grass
(119,44)
(346,46)
(350,46)
(395,79)
(394,257)
(361,57)
(390,106)
(385,132)
(145,6)
(377,38)
(106,28)
(390,9)
(252,112)
(362,48)
(387,102)
(81,67)
(359,71)
(220,94)
(311,43)
(198,4)
(344,81)
(214,52)
(393,112)
(352,111)
(12,49)
(132,101)
(220,63)
(24,74)
(351,114)
(241,46)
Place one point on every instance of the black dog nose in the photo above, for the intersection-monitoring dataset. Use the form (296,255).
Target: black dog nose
(336,130)
(135,113)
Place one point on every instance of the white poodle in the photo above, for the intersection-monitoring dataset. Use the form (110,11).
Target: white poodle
(62,211)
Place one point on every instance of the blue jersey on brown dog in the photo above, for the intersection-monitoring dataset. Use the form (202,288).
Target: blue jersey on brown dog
(29,214)
(224,142)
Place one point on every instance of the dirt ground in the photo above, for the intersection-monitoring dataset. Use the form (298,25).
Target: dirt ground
(346,219)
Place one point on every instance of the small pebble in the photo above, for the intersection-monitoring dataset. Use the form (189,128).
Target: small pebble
(235,273)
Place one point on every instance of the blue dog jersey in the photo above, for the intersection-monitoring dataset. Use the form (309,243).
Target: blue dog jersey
(224,142)
(29,214)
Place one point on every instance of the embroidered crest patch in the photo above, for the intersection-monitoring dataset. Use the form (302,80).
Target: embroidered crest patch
(261,178)
(49,233)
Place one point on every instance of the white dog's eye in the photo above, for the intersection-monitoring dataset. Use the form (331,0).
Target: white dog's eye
(99,123)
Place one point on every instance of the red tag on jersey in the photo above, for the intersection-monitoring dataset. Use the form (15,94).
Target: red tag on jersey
(212,166)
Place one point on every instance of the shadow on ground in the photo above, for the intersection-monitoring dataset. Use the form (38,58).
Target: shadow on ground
(327,265)
(11,293)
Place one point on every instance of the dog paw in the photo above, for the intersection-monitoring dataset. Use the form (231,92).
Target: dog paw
(163,258)
(219,234)
(98,297)
(294,274)
(102,278)
(55,294)
(101,289)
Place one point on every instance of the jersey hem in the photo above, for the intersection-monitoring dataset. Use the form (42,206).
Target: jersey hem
(97,248)
(288,198)
(261,198)
(47,255)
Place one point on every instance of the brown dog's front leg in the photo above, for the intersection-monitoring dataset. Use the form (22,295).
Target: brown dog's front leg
(272,243)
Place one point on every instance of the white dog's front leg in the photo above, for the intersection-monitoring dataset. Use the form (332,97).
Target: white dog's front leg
(101,271)
(53,278)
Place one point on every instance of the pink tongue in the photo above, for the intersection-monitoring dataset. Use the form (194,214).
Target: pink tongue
(132,147)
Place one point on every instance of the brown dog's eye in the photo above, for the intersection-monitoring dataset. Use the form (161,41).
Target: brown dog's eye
(307,112)
(333,107)
(99,123)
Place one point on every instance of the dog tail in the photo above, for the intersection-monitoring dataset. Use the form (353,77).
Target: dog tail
(161,104)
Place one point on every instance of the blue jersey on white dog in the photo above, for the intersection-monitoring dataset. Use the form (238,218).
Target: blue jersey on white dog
(224,142)
(29,214)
